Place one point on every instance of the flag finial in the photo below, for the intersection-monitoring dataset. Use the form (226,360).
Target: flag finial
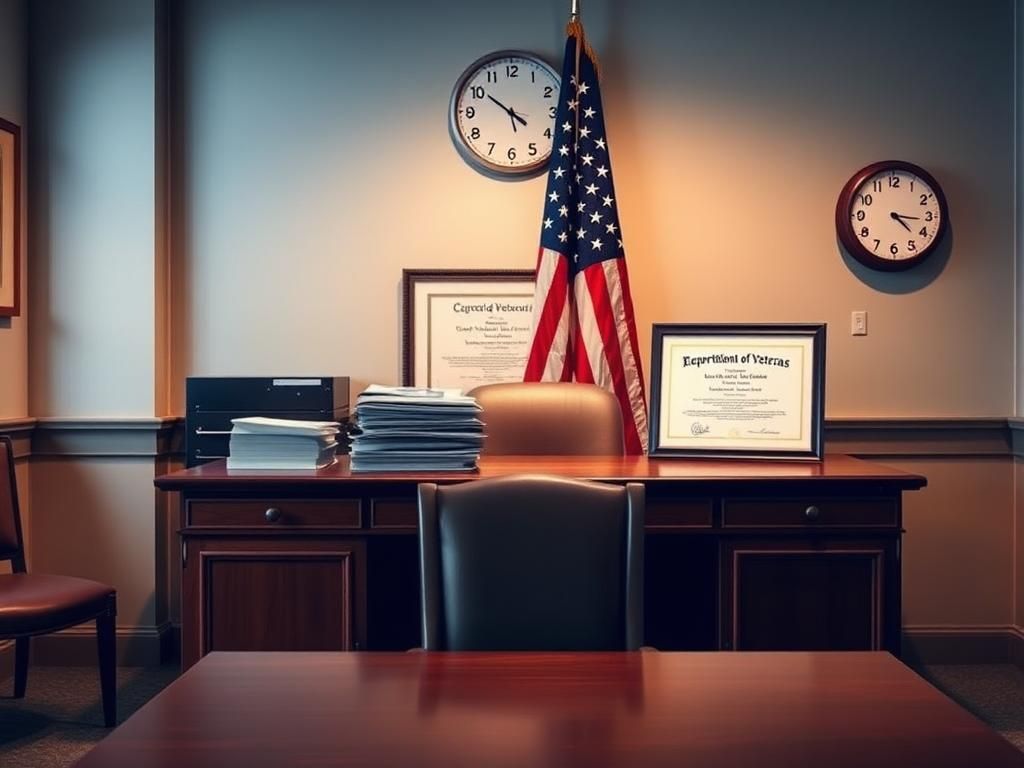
(574,14)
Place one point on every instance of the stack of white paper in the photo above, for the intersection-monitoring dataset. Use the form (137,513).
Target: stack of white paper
(258,442)
(410,428)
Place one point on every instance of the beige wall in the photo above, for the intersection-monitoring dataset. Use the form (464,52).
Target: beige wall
(1018,572)
(315,165)
(14,331)
(318,166)
(959,553)
(93,216)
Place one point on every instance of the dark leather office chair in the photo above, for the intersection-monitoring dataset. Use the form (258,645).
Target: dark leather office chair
(553,418)
(532,563)
(37,604)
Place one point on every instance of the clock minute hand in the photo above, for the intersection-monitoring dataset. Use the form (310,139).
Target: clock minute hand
(897,217)
(498,103)
(516,116)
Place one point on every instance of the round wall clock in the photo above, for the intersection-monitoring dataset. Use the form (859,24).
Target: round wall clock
(891,215)
(502,114)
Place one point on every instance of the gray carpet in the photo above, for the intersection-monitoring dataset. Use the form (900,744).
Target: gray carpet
(60,718)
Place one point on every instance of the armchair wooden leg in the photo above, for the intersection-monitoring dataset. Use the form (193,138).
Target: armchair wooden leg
(106,638)
(21,647)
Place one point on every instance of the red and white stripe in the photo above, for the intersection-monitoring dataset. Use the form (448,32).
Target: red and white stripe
(590,334)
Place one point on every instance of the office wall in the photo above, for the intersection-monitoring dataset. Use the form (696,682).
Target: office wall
(14,331)
(98,309)
(93,214)
(318,165)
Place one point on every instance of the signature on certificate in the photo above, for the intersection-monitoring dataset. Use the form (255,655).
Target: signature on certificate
(699,429)
(763,431)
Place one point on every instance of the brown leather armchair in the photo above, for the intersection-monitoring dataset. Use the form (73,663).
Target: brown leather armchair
(532,562)
(36,604)
(552,418)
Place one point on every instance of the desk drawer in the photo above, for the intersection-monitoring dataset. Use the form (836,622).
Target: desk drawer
(274,513)
(809,513)
(398,514)
(662,514)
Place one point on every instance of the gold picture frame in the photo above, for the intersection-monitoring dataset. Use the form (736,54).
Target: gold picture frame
(10,219)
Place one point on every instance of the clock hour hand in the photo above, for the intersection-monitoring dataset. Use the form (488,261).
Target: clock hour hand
(516,116)
(897,217)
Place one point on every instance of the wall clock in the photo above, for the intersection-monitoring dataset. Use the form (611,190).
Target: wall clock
(502,114)
(891,215)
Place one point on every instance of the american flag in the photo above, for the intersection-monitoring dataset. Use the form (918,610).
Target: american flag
(583,323)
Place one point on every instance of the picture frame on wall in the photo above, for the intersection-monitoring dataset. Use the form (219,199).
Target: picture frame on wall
(738,391)
(10,219)
(462,328)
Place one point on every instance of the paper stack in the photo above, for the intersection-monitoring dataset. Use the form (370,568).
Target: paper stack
(411,428)
(258,442)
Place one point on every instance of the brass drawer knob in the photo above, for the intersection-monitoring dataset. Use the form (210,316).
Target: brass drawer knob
(273,514)
(812,512)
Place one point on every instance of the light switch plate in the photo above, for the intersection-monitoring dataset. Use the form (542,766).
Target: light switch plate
(859,323)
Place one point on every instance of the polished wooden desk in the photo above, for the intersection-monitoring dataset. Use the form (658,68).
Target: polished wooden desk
(486,710)
(739,555)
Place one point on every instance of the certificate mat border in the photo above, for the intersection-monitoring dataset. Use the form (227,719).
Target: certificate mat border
(663,333)
(413,277)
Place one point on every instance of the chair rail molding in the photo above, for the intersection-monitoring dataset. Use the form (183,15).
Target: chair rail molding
(146,437)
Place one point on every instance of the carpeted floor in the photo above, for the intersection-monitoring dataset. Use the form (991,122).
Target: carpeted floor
(60,718)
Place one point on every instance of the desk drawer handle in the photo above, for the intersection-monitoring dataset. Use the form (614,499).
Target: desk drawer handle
(811,513)
(273,514)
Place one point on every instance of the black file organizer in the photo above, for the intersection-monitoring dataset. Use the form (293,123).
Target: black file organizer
(211,403)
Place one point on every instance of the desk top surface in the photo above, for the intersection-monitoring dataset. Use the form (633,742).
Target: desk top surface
(833,468)
(571,709)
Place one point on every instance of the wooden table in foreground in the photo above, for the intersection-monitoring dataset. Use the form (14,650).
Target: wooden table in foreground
(739,555)
(527,710)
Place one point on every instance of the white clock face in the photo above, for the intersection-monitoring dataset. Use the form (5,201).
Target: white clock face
(503,113)
(895,215)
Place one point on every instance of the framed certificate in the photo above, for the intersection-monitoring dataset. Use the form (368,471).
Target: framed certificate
(738,391)
(465,327)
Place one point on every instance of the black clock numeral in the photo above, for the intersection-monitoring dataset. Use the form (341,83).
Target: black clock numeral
(492,76)
(877,243)
(470,113)
(548,90)
(477,91)
(864,232)
(860,215)
(928,216)
(511,153)
(511,70)
(911,185)
(923,232)
(533,76)
(490,147)
(894,182)
(547,133)
(924,199)
(865,199)
(533,149)
(911,245)
(552,111)
(475,133)
(876,185)
(894,249)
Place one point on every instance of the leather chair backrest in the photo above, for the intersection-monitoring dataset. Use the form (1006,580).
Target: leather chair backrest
(554,418)
(10,525)
(532,563)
